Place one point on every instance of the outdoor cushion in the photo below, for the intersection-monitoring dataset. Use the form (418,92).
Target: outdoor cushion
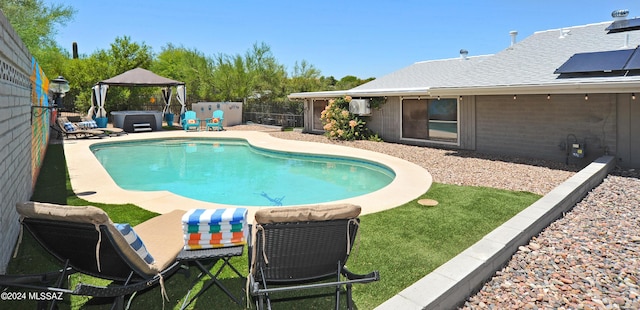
(191,121)
(307,213)
(69,127)
(134,241)
(163,237)
(86,214)
(88,124)
(49,211)
(162,234)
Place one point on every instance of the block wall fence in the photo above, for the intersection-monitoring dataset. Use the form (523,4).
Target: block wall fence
(24,131)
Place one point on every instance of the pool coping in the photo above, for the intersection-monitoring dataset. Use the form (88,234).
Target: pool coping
(91,182)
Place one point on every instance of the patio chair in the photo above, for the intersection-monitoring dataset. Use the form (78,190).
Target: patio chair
(216,121)
(85,240)
(296,248)
(190,121)
(70,129)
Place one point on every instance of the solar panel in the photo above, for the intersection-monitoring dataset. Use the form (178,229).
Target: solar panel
(624,25)
(596,62)
(634,61)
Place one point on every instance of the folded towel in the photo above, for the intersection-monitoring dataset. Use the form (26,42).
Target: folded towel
(204,228)
(224,242)
(210,246)
(211,216)
(214,237)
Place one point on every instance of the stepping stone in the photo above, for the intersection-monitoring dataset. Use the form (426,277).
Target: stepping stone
(428,202)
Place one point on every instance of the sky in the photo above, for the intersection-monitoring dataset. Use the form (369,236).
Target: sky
(365,39)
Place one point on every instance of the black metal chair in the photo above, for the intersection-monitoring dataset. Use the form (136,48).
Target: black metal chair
(85,240)
(303,248)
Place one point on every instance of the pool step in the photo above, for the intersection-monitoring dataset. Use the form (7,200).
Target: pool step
(140,127)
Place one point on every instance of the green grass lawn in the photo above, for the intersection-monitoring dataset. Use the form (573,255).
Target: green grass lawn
(404,243)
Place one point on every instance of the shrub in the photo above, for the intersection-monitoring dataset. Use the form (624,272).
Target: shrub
(340,124)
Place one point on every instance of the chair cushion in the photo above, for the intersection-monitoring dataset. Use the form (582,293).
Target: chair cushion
(96,216)
(307,213)
(163,237)
(134,241)
(191,121)
(76,214)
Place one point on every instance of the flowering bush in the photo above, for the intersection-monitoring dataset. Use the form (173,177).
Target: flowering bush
(340,124)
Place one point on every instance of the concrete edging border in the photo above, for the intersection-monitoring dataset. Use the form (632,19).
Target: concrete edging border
(451,284)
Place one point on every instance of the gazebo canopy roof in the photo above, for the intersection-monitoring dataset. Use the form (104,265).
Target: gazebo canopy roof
(140,77)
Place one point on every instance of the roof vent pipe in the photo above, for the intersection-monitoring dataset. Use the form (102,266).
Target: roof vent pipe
(619,14)
(463,54)
(513,35)
(626,41)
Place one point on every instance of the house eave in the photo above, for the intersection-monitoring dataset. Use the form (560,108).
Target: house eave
(529,89)
(422,91)
(560,88)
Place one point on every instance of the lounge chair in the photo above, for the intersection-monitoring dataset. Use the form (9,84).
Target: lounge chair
(70,129)
(190,121)
(296,248)
(215,122)
(88,123)
(85,240)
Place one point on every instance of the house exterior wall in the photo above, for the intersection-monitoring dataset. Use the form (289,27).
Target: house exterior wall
(467,121)
(531,126)
(534,126)
(15,135)
(386,120)
(387,123)
(628,126)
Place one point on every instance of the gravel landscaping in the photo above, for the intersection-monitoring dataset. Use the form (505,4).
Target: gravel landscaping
(456,167)
(589,259)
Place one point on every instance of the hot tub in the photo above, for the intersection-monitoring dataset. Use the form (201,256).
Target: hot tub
(129,121)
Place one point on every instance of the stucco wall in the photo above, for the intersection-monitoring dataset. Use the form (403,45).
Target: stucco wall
(15,135)
(534,126)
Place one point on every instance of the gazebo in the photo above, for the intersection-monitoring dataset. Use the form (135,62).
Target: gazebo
(137,77)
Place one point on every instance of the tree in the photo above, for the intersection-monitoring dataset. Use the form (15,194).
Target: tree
(257,77)
(188,66)
(267,76)
(231,78)
(35,22)
(83,73)
(126,55)
(305,78)
(348,82)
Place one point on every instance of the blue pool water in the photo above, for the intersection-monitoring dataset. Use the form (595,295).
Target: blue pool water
(230,171)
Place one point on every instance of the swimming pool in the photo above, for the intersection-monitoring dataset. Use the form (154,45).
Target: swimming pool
(233,172)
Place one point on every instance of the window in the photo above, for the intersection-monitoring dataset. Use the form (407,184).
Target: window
(433,119)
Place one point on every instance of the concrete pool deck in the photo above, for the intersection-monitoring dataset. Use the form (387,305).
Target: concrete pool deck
(91,182)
